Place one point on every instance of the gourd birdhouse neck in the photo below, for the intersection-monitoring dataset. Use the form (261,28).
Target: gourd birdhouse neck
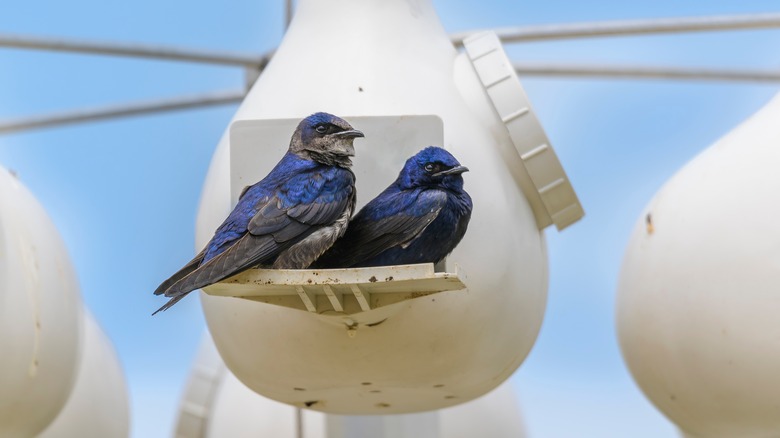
(379,26)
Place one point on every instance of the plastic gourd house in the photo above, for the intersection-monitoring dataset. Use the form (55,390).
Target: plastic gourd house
(406,338)
(59,374)
(698,297)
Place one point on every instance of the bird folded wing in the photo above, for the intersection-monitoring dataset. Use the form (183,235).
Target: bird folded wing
(283,217)
(399,229)
(294,217)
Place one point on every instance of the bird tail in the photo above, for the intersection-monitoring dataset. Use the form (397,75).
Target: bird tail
(183,272)
(244,254)
(170,303)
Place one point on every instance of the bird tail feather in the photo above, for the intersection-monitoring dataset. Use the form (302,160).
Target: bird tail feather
(170,303)
(183,272)
(241,256)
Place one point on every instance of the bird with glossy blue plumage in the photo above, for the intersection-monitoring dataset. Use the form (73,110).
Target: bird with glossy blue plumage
(286,220)
(421,217)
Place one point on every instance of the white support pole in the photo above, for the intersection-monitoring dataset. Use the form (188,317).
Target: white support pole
(424,424)
(629,27)
(136,50)
(644,72)
(288,12)
(254,64)
(510,34)
(107,112)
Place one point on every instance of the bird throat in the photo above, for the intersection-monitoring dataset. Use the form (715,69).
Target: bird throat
(329,159)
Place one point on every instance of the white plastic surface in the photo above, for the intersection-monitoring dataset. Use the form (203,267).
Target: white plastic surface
(227,408)
(698,295)
(393,59)
(206,375)
(215,405)
(40,314)
(494,415)
(551,195)
(98,406)
(338,291)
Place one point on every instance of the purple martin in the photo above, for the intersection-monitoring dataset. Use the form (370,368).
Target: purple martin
(419,218)
(286,220)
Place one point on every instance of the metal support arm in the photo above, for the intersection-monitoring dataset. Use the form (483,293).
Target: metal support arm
(137,50)
(629,27)
(644,72)
(108,112)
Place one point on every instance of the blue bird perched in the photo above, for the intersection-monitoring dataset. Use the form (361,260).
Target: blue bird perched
(419,218)
(286,220)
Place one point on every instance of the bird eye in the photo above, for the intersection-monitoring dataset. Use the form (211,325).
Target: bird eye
(321,129)
(429,167)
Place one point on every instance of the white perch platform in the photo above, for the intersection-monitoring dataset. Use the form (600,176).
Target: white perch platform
(345,291)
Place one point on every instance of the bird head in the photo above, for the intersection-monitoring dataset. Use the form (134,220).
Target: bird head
(325,138)
(432,166)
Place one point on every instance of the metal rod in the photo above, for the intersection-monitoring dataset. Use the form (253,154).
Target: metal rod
(525,69)
(299,423)
(630,27)
(137,50)
(514,34)
(288,13)
(107,112)
(644,72)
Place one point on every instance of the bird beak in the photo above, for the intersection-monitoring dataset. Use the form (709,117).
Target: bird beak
(352,133)
(457,170)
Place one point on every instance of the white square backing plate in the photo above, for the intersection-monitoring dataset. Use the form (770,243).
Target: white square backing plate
(257,145)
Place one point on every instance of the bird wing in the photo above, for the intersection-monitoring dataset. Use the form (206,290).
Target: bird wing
(294,210)
(368,235)
(304,203)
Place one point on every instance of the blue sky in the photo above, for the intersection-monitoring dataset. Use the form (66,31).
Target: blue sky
(124,193)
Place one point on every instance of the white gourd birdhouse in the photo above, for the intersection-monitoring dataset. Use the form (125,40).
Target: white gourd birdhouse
(40,315)
(698,300)
(392,339)
(98,406)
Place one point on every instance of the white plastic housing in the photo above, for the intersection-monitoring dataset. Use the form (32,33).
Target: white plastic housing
(698,299)
(389,58)
(215,404)
(98,405)
(40,314)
